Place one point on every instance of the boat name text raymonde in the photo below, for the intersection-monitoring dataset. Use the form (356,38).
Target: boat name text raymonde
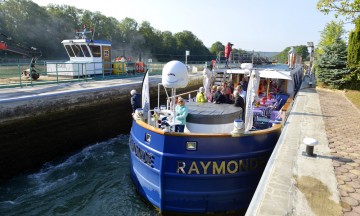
(220,167)
(144,156)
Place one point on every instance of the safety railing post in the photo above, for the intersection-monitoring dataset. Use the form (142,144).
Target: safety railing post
(19,72)
(57,72)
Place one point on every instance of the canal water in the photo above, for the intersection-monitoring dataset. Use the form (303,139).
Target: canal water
(94,181)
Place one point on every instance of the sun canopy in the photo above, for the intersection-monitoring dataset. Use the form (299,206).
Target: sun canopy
(267,73)
(274,74)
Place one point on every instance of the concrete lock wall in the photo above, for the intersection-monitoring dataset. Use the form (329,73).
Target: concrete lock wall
(41,129)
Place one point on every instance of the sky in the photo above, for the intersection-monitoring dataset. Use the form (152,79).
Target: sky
(259,25)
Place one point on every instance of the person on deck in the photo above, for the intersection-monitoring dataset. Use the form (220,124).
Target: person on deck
(181,113)
(262,88)
(245,83)
(218,96)
(227,92)
(213,90)
(239,102)
(207,79)
(227,52)
(241,91)
(200,97)
(135,100)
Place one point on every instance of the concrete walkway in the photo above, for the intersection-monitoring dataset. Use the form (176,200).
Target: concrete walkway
(328,184)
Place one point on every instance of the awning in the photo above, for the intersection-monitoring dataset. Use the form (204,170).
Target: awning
(274,74)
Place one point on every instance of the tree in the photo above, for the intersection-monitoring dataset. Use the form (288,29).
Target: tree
(152,38)
(354,56)
(45,27)
(332,31)
(331,66)
(27,23)
(282,57)
(186,40)
(350,9)
(216,48)
(302,50)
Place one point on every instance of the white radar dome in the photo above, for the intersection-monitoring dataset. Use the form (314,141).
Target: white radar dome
(175,75)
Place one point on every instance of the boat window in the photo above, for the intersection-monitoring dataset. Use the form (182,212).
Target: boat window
(85,50)
(77,51)
(69,50)
(106,53)
(95,50)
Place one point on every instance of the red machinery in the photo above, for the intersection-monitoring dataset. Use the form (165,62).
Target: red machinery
(25,51)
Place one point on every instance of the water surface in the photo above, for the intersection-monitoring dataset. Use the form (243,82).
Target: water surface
(94,181)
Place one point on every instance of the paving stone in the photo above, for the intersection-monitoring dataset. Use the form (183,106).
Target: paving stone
(343,193)
(353,164)
(347,166)
(354,155)
(357,209)
(347,188)
(356,172)
(336,164)
(341,169)
(346,207)
(333,150)
(355,185)
(344,178)
(356,180)
(341,182)
(355,196)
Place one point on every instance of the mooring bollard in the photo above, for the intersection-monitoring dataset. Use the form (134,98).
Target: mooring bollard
(310,143)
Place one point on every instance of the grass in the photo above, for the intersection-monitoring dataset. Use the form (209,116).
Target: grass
(354,97)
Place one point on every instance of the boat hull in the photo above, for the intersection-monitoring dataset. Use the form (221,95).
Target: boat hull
(198,173)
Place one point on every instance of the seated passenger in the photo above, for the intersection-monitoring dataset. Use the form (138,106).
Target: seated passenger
(219,96)
(213,90)
(200,97)
(239,102)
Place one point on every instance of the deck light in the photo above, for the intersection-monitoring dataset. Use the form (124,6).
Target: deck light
(191,146)
(147,138)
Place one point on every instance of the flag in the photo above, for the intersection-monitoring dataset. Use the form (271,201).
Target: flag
(145,97)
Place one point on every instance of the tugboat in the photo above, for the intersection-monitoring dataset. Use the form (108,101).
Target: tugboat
(88,57)
(214,166)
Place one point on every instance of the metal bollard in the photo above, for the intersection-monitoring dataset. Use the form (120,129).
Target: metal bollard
(310,143)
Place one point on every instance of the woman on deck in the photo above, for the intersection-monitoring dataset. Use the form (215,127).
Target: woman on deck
(200,97)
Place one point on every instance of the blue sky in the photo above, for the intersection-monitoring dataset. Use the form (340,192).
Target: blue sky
(260,25)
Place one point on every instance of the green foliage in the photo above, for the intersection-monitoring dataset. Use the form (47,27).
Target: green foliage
(354,46)
(216,48)
(354,57)
(301,50)
(350,9)
(332,31)
(282,57)
(331,66)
